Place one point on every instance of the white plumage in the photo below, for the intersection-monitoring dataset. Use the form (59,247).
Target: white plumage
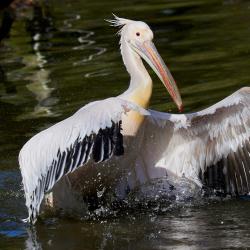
(191,143)
(38,153)
(210,148)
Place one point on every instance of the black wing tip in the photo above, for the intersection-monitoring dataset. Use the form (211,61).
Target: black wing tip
(103,145)
(108,142)
(230,175)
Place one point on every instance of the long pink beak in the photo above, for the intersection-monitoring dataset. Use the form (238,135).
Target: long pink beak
(150,54)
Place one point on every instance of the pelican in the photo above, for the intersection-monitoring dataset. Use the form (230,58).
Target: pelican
(118,144)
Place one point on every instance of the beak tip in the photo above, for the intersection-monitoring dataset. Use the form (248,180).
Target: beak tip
(180,107)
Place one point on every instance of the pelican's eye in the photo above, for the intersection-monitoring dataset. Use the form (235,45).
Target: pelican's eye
(138,33)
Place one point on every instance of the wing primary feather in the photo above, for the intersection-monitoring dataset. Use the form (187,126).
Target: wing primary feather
(68,161)
(246,162)
(88,148)
(58,163)
(221,177)
(82,152)
(242,165)
(238,173)
(210,176)
(233,174)
(97,148)
(48,179)
(76,153)
(118,140)
(111,146)
(53,166)
(51,178)
(102,149)
(226,175)
(246,158)
(43,186)
(60,166)
(231,177)
(215,178)
(215,175)
(106,140)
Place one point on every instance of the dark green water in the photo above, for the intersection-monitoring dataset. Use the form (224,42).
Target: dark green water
(62,56)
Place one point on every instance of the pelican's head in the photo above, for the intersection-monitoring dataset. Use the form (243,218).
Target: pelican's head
(139,37)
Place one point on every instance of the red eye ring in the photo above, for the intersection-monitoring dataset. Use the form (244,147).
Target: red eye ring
(138,33)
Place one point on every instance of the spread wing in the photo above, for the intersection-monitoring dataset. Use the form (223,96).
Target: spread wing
(93,132)
(210,147)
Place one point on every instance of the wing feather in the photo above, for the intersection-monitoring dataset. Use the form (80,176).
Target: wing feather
(92,132)
(210,147)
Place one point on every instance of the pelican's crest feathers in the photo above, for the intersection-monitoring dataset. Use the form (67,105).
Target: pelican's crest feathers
(118,22)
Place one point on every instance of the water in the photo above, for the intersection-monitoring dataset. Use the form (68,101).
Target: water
(63,55)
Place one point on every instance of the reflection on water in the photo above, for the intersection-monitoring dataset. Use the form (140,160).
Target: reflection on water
(9,87)
(204,227)
(59,55)
(40,28)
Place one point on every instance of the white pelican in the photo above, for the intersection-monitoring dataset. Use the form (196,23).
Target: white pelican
(116,144)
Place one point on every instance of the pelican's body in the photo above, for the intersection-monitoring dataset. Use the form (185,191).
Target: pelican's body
(116,145)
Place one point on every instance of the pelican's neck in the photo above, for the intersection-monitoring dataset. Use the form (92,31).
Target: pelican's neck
(140,87)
